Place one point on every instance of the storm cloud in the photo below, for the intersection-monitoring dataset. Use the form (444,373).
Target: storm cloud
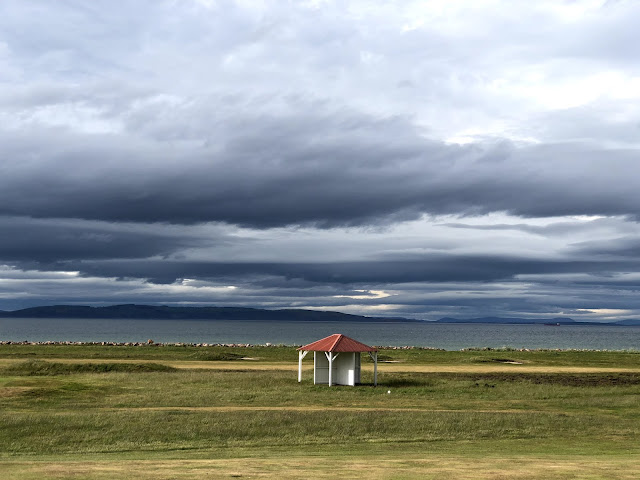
(394,158)
(307,169)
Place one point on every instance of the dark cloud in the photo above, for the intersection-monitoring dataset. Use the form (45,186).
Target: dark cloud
(45,241)
(371,155)
(333,169)
(450,268)
(614,247)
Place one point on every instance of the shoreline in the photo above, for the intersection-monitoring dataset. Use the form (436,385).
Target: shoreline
(152,344)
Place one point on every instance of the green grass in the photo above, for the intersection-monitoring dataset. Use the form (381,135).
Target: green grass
(112,411)
(40,367)
(620,359)
(170,430)
(147,352)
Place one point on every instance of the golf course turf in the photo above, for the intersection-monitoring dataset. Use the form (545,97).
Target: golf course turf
(80,411)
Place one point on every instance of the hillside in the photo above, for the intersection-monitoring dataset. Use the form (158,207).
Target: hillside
(189,313)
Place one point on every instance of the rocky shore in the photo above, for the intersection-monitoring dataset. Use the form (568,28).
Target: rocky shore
(151,343)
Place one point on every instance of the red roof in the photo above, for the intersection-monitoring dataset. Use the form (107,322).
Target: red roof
(338,343)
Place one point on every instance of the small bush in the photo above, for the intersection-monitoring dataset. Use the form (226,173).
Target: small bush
(217,356)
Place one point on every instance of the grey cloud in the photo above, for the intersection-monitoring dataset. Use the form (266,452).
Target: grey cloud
(435,268)
(603,122)
(238,116)
(324,168)
(45,241)
(126,129)
(614,247)
(554,229)
(610,35)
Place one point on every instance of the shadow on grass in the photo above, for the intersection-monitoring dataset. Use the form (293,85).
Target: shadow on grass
(403,382)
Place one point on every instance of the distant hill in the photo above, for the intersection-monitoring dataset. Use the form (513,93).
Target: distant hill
(163,312)
(512,321)
(632,322)
(189,313)
(533,321)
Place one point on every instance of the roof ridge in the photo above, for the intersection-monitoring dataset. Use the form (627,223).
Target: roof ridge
(338,338)
(337,342)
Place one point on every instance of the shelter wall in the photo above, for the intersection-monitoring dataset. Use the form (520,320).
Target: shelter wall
(345,371)
(322,368)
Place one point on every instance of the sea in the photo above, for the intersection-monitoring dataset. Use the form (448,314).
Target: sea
(420,334)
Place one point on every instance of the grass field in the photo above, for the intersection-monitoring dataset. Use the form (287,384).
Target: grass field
(216,412)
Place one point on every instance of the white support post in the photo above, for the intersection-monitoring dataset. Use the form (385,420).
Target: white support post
(301,355)
(331,358)
(375,369)
(314,368)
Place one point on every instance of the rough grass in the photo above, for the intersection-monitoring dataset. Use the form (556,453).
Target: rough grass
(115,431)
(567,379)
(129,411)
(124,417)
(288,355)
(40,367)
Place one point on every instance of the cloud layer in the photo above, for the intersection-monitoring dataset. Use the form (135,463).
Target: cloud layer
(410,158)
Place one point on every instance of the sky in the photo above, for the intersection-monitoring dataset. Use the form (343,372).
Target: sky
(387,158)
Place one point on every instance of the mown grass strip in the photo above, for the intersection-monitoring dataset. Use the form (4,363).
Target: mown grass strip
(399,465)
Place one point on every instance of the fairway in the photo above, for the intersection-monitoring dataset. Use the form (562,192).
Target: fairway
(255,364)
(107,412)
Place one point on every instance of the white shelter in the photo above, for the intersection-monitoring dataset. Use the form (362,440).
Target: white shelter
(339,360)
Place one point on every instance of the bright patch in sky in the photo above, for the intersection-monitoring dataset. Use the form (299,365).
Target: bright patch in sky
(367,294)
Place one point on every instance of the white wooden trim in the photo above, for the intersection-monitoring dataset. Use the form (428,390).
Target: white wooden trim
(301,355)
(314,368)
(330,358)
